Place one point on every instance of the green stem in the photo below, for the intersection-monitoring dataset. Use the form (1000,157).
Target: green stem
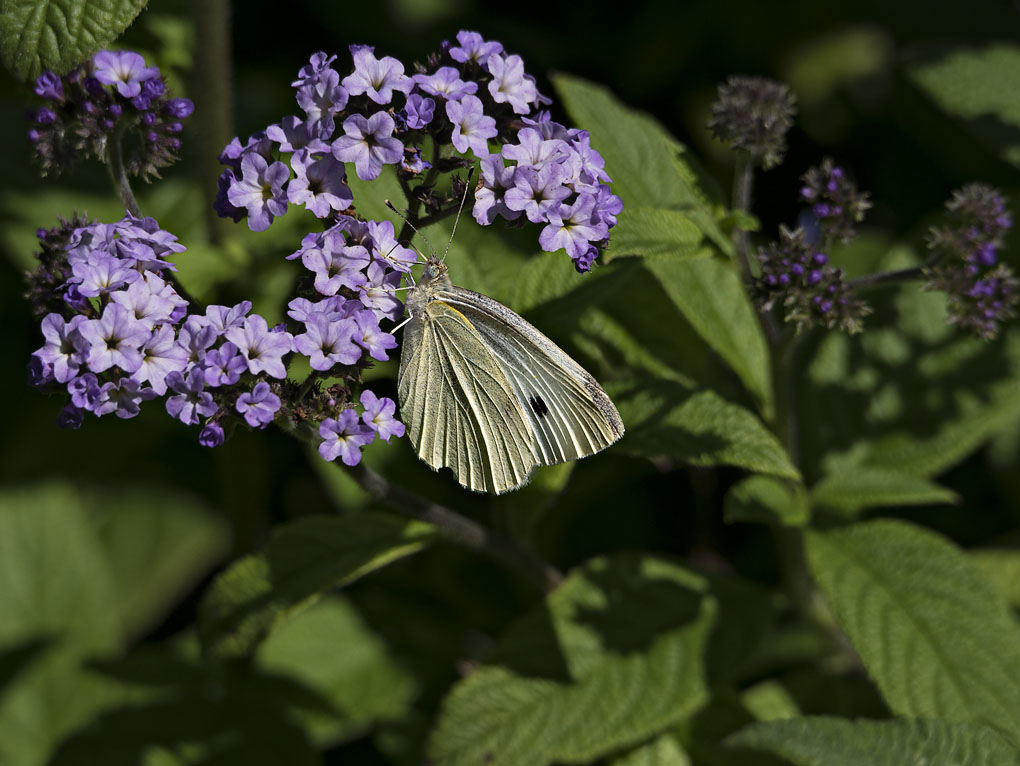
(118,175)
(884,278)
(743,186)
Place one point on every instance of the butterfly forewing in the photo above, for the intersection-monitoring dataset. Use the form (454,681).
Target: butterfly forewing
(459,406)
(569,413)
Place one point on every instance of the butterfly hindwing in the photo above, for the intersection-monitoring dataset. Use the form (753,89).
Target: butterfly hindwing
(458,404)
(568,412)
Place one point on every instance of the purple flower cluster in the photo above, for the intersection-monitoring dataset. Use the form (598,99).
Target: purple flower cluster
(113,93)
(472,98)
(835,202)
(122,335)
(812,291)
(982,292)
(753,115)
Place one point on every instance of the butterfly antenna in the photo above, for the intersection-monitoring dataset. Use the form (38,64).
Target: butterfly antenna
(414,229)
(467,186)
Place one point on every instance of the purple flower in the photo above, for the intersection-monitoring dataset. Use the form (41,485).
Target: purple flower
(223,366)
(197,335)
(592,164)
(49,86)
(571,228)
(122,397)
(335,270)
(260,190)
(534,150)
(446,82)
(161,355)
(39,372)
(85,391)
(147,300)
(179,108)
(101,274)
(291,134)
(260,406)
(65,349)
(317,64)
(124,69)
(471,126)
(377,78)
(413,162)
(319,184)
(490,199)
(321,97)
(191,400)
(328,342)
(419,111)
(377,293)
(510,85)
(369,144)
(262,349)
(608,206)
(222,317)
(344,437)
(211,434)
(387,248)
(537,192)
(584,261)
(378,415)
(370,337)
(70,417)
(473,48)
(114,339)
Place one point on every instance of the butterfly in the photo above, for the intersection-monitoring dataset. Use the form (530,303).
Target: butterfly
(484,393)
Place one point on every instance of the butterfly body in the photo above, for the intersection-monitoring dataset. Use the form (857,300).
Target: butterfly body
(486,394)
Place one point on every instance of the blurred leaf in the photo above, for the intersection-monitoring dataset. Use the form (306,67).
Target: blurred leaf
(826,741)
(59,34)
(212,714)
(159,544)
(767,500)
(702,734)
(933,634)
(858,487)
(648,166)
(979,86)
(656,231)
(707,291)
(828,62)
(614,656)
(661,751)
(769,701)
(698,427)
(304,559)
(55,588)
(15,659)
(329,649)
(1001,566)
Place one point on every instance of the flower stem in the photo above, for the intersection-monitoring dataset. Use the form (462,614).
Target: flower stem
(460,529)
(119,177)
(743,185)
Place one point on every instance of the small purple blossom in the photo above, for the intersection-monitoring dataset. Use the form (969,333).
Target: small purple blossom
(538,192)
(262,349)
(260,406)
(114,339)
(125,70)
(490,199)
(334,270)
(419,111)
(571,227)
(343,437)
(471,126)
(211,434)
(472,48)
(70,417)
(379,415)
(376,78)
(161,355)
(260,190)
(369,144)
(122,397)
(191,400)
(319,184)
(510,85)
(328,342)
(49,86)
(535,150)
(65,349)
(102,274)
(446,82)
(85,391)
(223,366)
(370,337)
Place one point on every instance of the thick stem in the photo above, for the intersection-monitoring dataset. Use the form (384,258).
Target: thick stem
(119,177)
(884,278)
(743,185)
(460,529)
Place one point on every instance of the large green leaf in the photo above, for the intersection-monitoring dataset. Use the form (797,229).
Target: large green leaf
(55,589)
(1002,568)
(932,632)
(707,291)
(656,231)
(661,751)
(858,487)
(303,560)
(979,86)
(767,500)
(825,741)
(59,34)
(329,649)
(648,166)
(159,545)
(614,656)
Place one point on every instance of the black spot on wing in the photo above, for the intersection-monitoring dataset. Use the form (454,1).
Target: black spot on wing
(538,405)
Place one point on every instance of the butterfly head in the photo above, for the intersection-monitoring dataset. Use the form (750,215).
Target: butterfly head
(435,271)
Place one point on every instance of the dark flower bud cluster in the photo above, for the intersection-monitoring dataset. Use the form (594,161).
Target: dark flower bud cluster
(112,97)
(753,115)
(982,292)
(812,291)
(118,334)
(473,102)
(835,202)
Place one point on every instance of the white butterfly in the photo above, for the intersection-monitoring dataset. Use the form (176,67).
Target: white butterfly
(486,394)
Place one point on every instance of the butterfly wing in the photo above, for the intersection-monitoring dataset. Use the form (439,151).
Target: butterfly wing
(458,405)
(569,413)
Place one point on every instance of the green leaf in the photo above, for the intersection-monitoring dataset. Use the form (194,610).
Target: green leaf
(979,86)
(698,427)
(656,231)
(827,741)
(55,589)
(614,656)
(935,637)
(59,34)
(858,487)
(648,166)
(707,291)
(303,560)
(159,544)
(661,751)
(767,500)
(1001,566)
(363,683)
(769,701)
